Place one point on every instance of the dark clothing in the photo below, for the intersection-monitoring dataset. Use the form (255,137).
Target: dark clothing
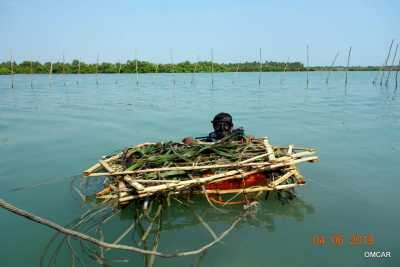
(236,134)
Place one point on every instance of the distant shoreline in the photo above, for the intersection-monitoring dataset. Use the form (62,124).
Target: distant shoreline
(133,73)
(133,66)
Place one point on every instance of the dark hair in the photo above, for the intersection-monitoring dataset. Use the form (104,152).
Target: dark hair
(222,117)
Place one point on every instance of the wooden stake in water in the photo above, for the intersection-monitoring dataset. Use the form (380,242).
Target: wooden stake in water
(284,69)
(347,66)
(119,71)
(330,67)
(12,69)
(195,70)
(260,70)
(212,67)
(397,72)
(171,54)
(79,71)
(237,72)
(136,67)
(50,74)
(386,61)
(155,72)
(63,69)
(308,62)
(31,72)
(97,69)
(392,65)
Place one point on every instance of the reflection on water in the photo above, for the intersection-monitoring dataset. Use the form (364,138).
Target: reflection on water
(134,226)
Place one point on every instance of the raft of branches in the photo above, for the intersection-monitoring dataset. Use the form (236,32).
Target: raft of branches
(238,170)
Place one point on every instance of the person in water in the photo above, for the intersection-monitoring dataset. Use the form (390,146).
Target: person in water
(223,127)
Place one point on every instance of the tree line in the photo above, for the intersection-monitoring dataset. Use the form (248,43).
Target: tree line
(130,66)
(76,66)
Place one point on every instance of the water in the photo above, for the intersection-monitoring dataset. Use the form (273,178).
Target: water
(49,133)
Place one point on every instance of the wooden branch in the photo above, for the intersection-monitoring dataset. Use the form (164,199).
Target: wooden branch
(133,183)
(281,179)
(66,231)
(146,234)
(98,166)
(106,166)
(270,150)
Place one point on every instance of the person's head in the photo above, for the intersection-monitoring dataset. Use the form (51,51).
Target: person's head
(222,124)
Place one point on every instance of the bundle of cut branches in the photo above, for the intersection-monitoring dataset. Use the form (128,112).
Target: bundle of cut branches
(250,166)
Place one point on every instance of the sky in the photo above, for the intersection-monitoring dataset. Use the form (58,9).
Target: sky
(43,30)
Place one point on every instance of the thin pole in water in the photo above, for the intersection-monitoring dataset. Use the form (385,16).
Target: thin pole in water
(392,65)
(12,69)
(63,68)
(31,71)
(171,54)
(79,71)
(136,67)
(97,69)
(330,67)
(50,73)
(194,70)
(284,69)
(397,72)
(308,62)
(347,66)
(212,67)
(260,71)
(156,71)
(119,71)
(237,72)
(386,61)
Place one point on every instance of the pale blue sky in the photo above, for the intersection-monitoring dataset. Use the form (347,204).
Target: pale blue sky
(43,29)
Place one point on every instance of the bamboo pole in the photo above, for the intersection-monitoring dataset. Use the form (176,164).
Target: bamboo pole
(386,61)
(106,166)
(98,166)
(284,69)
(90,171)
(270,151)
(203,180)
(63,68)
(97,69)
(281,179)
(308,62)
(135,184)
(397,73)
(260,71)
(31,72)
(392,65)
(79,71)
(171,54)
(136,67)
(347,66)
(251,189)
(212,67)
(195,69)
(330,68)
(50,75)
(12,69)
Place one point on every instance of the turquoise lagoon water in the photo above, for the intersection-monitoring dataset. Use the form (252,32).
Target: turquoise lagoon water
(51,131)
